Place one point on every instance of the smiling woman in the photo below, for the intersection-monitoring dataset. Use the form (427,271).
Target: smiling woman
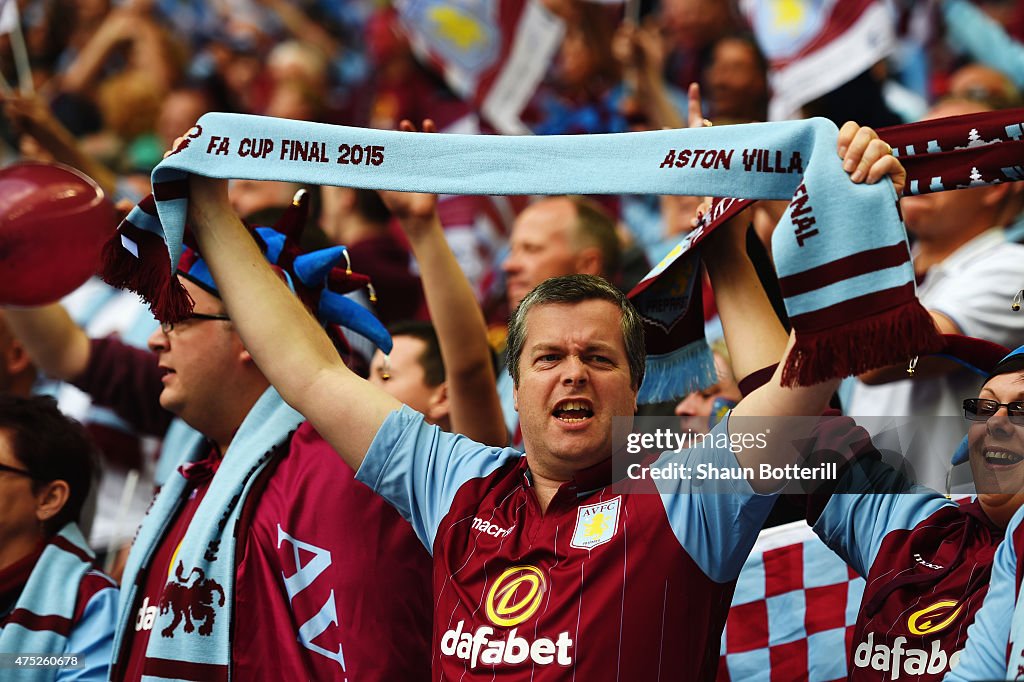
(996,439)
(996,450)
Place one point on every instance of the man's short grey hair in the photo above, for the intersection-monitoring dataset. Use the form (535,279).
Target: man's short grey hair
(576,289)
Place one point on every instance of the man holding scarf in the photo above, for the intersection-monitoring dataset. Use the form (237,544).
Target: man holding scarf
(540,566)
(233,571)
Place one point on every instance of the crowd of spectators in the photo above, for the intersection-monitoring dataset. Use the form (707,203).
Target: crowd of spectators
(113,84)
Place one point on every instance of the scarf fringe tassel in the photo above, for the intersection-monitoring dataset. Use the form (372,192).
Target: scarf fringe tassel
(149,274)
(672,375)
(890,337)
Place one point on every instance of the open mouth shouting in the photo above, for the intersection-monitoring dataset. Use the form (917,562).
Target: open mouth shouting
(573,410)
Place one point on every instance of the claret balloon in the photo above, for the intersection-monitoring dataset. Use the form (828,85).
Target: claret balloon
(53,223)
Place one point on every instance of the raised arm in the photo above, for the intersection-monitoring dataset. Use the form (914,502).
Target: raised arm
(302,27)
(753,333)
(134,27)
(122,378)
(970,30)
(461,331)
(641,52)
(860,138)
(30,115)
(755,337)
(287,343)
(58,347)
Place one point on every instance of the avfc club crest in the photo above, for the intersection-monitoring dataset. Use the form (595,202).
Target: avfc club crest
(462,32)
(596,524)
(786,27)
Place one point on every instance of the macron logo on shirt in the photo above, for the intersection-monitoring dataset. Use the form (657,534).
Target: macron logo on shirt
(490,528)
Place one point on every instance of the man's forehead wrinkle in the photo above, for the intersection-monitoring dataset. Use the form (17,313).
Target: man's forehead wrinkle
(590,345)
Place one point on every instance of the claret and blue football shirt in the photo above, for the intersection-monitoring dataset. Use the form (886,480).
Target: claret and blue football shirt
(604,585)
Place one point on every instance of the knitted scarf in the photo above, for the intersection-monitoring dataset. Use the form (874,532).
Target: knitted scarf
(1015,643)
(313,276)
(201,583)
(941,154)
(841,247)
(41,619)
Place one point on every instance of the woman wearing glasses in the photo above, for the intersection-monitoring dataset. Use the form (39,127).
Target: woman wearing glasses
(995,641)
(926,559)
(57,613)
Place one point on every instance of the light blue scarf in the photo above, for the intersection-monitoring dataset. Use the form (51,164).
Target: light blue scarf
(52,593)
(840,249)
(204,567)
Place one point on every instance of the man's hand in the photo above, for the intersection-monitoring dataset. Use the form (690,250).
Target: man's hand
(208,201)
(694,115)
(734,231)
(415,211)
(44,138)
(288,344)
(29,115)
(208,197)
(120,25)
(474,408)
(677,212)
(867,157)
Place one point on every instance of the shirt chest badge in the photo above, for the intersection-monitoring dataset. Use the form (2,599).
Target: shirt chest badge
(596,524)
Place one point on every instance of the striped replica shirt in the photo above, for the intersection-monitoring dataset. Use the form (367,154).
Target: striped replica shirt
(994,650)
(926,561)
(609,583)
(87,635)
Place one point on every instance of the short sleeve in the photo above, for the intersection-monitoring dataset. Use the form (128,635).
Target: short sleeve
(863,510)
(716,524)
(419,468)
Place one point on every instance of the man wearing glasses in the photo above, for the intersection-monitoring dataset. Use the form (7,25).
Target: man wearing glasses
(232,556)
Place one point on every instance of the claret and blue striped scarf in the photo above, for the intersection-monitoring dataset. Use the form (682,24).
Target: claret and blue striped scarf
(42,618)
(939,155)
(840,250)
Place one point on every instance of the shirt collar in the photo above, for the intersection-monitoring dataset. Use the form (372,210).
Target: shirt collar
(201,471)
(583,482)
